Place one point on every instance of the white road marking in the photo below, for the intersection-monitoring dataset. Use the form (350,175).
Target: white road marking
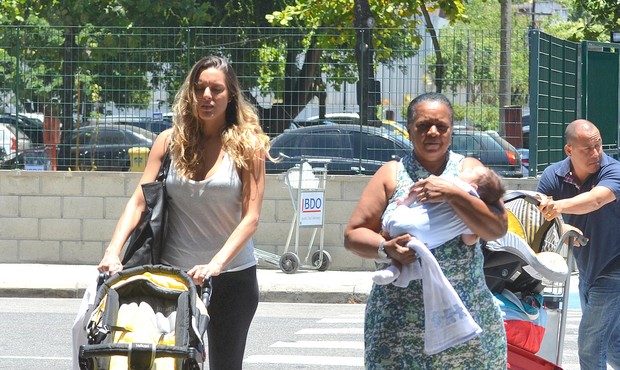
(330,331)
(306,360)
(320,344)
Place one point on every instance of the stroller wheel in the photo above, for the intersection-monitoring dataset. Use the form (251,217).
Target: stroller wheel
(191,365)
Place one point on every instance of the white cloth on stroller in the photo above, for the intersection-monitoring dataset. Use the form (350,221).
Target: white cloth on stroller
(78,330)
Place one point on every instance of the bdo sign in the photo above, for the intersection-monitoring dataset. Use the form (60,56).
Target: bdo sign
(311,208)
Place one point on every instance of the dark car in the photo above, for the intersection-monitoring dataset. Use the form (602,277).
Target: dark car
(342,143)
(101,147)
(351,149)
(153,126)
(490,148)
(314,122)
(32,127)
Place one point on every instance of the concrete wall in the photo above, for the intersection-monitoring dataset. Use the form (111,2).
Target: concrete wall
(68,217)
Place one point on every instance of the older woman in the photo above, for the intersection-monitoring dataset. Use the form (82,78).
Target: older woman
(394,323)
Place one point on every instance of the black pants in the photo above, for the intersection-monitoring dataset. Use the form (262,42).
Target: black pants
(234,300)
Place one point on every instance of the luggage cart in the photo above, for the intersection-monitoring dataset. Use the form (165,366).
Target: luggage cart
(556,301)
(512,263)
(306,186)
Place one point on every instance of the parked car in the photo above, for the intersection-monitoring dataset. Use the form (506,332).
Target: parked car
(31,127)
(394,127)
(13,143)
(314,122)
(351,149)
(153,125)
(339,118)
(362,149)
(13,139)
(490,148)
(101,147)
(525,161)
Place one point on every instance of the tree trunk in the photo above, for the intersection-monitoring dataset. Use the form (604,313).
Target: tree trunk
(504,55)
(440,67)
(299,91)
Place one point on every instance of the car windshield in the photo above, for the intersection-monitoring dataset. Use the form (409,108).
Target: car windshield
(142,133)
(318,144)
(501,141)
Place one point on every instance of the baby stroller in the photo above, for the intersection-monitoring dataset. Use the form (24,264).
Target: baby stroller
(147,317)
(529,270)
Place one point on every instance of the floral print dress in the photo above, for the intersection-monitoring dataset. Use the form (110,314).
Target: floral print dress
(394,320)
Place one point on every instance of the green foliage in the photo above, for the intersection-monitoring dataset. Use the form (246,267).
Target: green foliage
(481,117)
(140,54)
(589,20)
(395,35)
(475,43)
(602,13)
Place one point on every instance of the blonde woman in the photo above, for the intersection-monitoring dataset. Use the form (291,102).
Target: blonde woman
(215,187)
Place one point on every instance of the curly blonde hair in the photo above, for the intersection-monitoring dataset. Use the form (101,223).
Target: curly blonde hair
(242,137)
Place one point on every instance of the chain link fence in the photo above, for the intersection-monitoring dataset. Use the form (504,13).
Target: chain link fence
(62,87)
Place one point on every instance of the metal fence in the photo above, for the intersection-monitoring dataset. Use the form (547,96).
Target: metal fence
(62,79)
(555,90)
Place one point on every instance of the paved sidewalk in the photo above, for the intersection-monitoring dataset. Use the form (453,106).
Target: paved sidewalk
(305,286)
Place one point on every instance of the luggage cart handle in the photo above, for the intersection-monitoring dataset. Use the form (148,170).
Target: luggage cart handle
(303,158)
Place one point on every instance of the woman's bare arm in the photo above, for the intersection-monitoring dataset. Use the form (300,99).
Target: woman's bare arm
(362,234)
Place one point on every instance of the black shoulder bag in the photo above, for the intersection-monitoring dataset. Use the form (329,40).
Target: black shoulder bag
(146,241)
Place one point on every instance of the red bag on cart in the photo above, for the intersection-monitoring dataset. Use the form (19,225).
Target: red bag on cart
(524,319)
(519,359)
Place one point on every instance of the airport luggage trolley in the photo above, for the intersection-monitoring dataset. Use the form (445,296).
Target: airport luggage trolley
(306,185)
(513,264)
(556,297)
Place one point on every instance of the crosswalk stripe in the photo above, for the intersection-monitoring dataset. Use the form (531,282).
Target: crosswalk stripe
(320,344)
(34,358)
(330,331)
(341,321)
(306,360)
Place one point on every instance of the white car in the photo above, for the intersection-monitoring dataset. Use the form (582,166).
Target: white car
(525,161)
(12,141)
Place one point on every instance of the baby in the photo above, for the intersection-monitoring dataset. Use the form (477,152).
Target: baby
(433,224)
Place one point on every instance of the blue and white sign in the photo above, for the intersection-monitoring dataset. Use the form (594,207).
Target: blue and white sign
(311,208)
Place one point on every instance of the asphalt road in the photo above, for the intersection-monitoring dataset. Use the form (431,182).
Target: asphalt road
(36,335)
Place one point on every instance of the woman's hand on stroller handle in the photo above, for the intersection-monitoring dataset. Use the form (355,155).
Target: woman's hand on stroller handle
(110,263)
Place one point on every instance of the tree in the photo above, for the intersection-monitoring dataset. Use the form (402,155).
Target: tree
(588,20)
(394,37)
(286,65)
(601,17)
(471,56)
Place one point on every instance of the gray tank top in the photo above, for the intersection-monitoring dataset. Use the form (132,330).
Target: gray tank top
(201,217)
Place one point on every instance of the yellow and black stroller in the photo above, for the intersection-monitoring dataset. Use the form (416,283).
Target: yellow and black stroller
(528,270)
(147,317)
